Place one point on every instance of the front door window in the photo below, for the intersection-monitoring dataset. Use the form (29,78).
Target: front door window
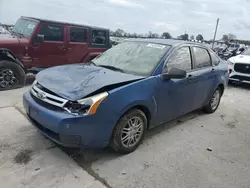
(181,59)
(52,33)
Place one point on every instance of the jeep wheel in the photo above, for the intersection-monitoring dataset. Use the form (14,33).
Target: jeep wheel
(12,75)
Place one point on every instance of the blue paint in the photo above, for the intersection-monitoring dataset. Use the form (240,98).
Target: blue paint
(164,100)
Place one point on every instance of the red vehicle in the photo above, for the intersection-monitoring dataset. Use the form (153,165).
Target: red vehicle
(35,43)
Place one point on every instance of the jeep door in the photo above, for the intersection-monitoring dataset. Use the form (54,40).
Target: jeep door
(52,51)
(77,44)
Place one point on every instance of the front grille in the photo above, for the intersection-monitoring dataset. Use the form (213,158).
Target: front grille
(242,68)
(243,78)
(47,105)
(46,98)
(39,86)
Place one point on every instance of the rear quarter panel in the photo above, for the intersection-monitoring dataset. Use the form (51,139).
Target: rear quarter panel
(221,77)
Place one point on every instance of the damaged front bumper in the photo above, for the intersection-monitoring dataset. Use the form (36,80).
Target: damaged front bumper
(69,130)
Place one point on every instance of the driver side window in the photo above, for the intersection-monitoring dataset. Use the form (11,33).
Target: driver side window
(181,59)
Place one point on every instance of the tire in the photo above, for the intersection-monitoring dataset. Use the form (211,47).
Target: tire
(18,72)
(121,129)
(210,108)
(230,82)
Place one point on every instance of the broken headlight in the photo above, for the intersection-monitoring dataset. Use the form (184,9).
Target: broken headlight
(87,105)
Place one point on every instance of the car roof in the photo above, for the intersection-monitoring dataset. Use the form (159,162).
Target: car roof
(65,23)
(171,42)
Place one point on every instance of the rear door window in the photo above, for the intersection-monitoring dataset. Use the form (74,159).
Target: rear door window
(99,37)
(78,34)
(202,57)
(52,32)
(181,59)
(215,59)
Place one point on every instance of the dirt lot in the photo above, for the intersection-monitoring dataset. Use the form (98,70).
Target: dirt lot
(197,150)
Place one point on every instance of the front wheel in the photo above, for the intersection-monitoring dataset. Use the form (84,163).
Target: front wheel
(214,102)
(12,75)
(129,132)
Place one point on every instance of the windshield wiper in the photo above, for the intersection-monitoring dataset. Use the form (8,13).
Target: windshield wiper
(91,63)
(111,68)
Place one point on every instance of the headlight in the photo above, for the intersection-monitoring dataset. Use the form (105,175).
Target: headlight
(230,62)
(34,83)
(86,106)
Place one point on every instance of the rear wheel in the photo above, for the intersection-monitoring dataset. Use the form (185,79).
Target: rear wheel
(129,132)
(12,75)
(214,102)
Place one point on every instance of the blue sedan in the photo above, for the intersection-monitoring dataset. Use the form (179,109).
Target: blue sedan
(129,89)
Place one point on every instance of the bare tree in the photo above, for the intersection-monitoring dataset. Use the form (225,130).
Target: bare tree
(225,38)
(231,36)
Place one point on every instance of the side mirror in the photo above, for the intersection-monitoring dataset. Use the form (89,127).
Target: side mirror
(174,73)
(39,39)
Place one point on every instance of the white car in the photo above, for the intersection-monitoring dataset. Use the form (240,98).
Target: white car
(239,67)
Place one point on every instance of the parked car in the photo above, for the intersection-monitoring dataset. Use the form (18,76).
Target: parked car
(35,43)
(239,67)
(130,88)
(3,31)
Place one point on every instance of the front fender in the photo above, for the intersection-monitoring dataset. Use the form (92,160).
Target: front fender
(7,54)
(122,99)
(138,93)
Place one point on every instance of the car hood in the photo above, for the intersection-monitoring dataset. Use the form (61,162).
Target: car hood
(75,82)
(240,59)
(8,39)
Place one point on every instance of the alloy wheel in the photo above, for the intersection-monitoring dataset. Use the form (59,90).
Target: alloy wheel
(132,132)
(215,99)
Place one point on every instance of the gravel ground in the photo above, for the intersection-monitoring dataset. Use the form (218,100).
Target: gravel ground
(29,160)
(197,150)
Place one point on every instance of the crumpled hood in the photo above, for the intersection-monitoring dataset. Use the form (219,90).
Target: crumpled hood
(74,82)
(240,59)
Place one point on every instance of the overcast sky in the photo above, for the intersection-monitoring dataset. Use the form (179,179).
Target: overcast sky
(141,16)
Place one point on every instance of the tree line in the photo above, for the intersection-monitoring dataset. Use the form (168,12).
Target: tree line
(227,38)
(165,35)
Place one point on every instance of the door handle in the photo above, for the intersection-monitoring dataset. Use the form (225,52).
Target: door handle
(62,47)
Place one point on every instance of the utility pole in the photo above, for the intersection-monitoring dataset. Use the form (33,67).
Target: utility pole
(215,32)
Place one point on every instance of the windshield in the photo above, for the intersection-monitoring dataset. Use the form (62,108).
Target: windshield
(139,58)
(24,27)
(246,52)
